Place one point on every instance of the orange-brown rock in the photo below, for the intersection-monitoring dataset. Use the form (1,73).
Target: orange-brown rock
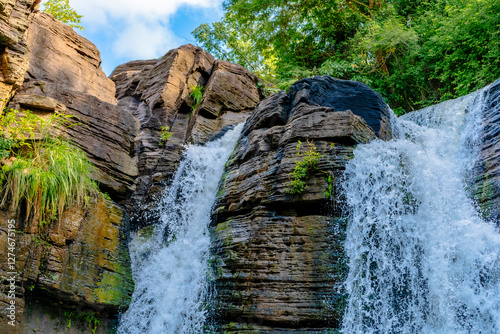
(64,74)
(14,51)
(157,93)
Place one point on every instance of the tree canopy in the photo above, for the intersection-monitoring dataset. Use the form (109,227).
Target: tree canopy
(62,11)
(413,52)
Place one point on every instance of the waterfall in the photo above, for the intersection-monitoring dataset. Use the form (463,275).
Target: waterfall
(421,259)
(169,261)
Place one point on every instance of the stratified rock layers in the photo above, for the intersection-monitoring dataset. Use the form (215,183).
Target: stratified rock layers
(14,51)
(157,93)
(278,257)
(64,75)
(485,181)
(80,261)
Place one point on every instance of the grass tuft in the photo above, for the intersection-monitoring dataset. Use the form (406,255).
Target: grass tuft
(48,174)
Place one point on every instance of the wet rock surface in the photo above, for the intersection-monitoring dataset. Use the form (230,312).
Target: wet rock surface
(485,180)
(278,257)
(80,261)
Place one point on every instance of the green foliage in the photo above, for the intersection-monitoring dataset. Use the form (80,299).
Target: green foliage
(90,318)
(414,53)
(165,135)
(196,96)
(14,130)
(62,11)
(330,186)
(47,174)
(306,164)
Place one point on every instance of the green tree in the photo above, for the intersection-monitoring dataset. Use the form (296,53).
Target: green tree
(413,52)
(62,11)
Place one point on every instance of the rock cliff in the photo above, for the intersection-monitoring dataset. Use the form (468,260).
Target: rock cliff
(278,257)
(82,262)
(486,175)
(14,16)
(157,93)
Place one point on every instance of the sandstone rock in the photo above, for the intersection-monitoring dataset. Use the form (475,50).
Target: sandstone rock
(278,257)
(61,57)
(14,51)
(157,93)
(230,97)
(64,75)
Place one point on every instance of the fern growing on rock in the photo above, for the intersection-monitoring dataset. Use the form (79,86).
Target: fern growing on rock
(304,166)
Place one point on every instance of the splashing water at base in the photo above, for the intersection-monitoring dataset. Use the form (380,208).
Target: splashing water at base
(170,266)
(421,260)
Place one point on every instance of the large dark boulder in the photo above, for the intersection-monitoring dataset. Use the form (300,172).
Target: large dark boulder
(279,259)
(345,95)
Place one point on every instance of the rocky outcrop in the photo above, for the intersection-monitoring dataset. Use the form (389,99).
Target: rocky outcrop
(64,75)
(278,257)
(81,261)
(157,93)
(14,50)
(485,180)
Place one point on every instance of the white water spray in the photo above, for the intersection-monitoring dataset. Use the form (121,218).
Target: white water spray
(421,260)
(170,266)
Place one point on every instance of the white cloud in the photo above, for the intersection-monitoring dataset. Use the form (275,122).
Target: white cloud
(143,40)
(131,9)
(138,28)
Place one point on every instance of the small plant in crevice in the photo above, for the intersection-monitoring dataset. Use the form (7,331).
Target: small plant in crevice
(304,166)
(165,135)
(330,180)
(196,96)
(90,318)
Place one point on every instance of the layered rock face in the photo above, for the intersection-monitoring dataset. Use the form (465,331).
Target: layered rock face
(14,50)
(82,260)
(64,75)
(157,93)
(485,183)
(278,259)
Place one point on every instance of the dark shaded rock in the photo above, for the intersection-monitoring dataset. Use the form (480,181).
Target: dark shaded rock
(278,257)
(485,181)
(343,95)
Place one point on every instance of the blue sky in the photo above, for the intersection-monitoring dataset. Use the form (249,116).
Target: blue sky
(125,30)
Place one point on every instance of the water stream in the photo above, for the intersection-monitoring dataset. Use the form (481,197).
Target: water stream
(421,259)
(169,260)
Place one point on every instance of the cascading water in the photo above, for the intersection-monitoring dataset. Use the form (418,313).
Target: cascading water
(421,260)
(170,265)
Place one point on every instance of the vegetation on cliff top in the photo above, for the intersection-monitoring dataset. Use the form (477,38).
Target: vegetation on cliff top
(62,11)
(413,52)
